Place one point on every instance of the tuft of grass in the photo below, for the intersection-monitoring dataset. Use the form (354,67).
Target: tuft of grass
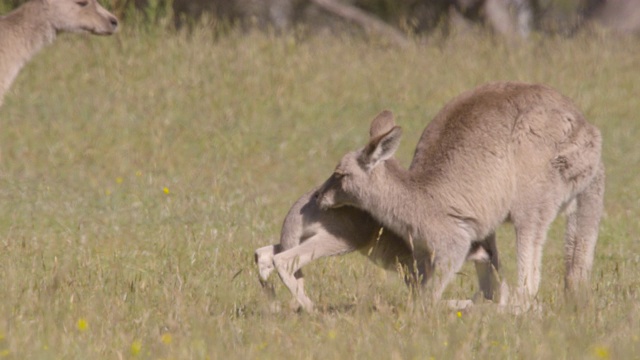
(139,173)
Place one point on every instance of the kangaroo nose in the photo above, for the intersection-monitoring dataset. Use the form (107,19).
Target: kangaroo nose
(114,22)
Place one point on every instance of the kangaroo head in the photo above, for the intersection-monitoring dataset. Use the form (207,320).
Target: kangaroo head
(355,176)
(81,16)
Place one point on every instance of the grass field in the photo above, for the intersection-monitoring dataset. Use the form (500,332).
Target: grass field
(139,173)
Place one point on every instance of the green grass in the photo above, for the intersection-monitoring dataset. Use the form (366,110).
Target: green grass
(139,173)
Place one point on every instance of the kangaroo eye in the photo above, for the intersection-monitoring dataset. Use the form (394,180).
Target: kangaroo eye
(82,3)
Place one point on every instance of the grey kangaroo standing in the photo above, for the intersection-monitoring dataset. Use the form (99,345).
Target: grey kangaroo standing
(503,151)
(24,31)
(309,233)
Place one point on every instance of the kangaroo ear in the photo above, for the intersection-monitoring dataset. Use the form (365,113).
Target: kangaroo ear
(382,124)
(381,148)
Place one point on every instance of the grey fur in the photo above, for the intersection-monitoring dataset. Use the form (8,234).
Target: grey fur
(501,152)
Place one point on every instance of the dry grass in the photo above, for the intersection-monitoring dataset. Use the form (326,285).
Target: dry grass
(138,174)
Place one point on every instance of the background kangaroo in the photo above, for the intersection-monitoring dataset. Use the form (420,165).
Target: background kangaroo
(24,31)
(309,233)
(503,151)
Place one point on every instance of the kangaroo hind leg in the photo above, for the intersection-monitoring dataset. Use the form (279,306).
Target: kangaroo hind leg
(445,262)
(583,222)
(485,257)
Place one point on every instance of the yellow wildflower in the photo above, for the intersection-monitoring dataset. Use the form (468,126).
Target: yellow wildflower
(82,324)
(136,346)
(165,190)
(601,352)
(166,338)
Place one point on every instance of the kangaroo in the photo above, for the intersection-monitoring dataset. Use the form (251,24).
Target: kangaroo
(27,29)
(501,152)
(309,233)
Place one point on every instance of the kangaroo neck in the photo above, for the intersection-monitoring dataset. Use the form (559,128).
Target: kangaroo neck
(25,31)
(34,30)
(397,199)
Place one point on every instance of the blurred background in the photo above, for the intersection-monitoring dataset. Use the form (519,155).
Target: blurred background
(140,171)
(393,18)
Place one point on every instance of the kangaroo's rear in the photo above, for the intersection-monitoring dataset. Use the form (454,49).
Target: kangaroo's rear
(504,151)
(24,31)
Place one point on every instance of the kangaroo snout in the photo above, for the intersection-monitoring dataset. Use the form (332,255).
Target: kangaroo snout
(109,23)
(323,203)
(114,23)
(320,200)
(316,197)
(109,28)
